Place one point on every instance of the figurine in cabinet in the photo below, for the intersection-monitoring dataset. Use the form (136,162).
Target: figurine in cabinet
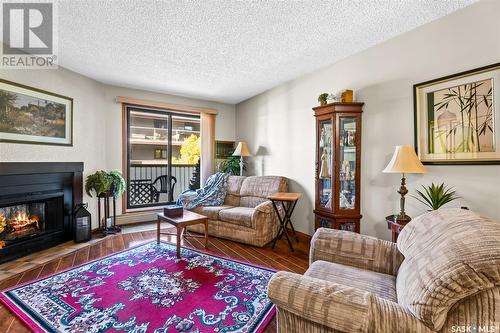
(343,201)
(322,138)
(346,169)
(325,139)
(324,173)
(350,138)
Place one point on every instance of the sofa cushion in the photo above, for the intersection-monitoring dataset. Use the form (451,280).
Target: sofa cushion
(255,189)
(237,215)
(212,212)
(232,200)
(382,285)
(450,254)
(248,201)
(234,184)
(233,190)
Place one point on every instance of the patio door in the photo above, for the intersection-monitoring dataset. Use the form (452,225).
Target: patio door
(163,156)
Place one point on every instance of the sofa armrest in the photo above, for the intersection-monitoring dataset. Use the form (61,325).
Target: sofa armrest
(265,207)
(353,249)
(339,307)
(333,305)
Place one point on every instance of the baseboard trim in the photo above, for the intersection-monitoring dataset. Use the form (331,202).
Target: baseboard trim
(143,216)
(148,216)
(300,234)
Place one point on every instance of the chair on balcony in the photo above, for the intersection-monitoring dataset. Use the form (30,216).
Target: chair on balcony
(162,184)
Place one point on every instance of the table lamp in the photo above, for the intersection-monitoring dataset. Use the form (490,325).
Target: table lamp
(241,151)
(404,161)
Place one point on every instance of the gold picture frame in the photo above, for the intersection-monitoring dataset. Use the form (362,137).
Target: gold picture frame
(34,116)
(456,118)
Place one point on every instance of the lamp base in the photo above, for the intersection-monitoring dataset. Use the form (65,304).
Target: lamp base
(395,218)
(241,165)
(402,219)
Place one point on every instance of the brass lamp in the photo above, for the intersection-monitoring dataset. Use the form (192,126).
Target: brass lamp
(404,161)
(241,151)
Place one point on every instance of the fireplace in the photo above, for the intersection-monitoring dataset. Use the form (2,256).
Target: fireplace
(36,205)
(30,216)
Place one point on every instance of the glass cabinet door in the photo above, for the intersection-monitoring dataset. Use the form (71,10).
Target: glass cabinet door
(347,163)
(325,159)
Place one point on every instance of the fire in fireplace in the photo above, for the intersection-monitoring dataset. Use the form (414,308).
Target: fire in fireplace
(21,220)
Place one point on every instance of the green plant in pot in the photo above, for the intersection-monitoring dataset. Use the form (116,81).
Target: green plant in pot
(322,98)
(436,196)
(231,165)
(105,183)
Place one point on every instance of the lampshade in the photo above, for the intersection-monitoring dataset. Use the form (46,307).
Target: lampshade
(242,149)
(405,160)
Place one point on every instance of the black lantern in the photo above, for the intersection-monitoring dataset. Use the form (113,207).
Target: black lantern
(83,223)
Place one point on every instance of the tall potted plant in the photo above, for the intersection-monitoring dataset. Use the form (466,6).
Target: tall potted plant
(231,165)
(106,185)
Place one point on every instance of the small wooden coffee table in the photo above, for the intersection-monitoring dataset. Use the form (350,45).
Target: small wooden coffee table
(181,222)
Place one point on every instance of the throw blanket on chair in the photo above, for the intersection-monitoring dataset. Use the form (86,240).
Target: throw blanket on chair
(212,194)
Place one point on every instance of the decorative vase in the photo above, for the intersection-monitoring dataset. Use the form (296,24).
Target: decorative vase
(347,96)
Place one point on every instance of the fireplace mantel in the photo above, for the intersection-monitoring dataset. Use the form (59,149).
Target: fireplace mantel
(20,168)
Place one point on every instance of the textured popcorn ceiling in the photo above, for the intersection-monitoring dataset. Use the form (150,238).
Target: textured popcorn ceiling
(226,51)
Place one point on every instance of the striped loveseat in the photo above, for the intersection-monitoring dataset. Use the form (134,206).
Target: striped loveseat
(246,216)
(442,276)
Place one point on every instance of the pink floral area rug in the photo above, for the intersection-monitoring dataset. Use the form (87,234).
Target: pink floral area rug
(147,289)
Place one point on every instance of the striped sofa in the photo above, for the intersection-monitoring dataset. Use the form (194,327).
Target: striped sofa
(443,275)
(247,216)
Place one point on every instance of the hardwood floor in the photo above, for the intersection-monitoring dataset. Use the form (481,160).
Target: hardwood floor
(70,254)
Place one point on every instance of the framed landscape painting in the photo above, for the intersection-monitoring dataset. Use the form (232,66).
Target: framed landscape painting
(30,115)
(457,118)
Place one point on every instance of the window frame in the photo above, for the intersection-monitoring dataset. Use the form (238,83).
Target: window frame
(126,148)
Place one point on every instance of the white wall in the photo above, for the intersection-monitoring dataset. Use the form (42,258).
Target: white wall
(88,127)
(279,124)
(97,139)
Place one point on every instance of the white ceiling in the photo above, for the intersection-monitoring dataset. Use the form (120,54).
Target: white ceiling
(226,51)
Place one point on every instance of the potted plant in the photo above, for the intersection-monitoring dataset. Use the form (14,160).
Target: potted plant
(436,196)
(105,183)
(322,98)
(231,165)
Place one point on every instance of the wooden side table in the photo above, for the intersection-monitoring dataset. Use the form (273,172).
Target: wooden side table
(181,222)
(394,226)
(288,201)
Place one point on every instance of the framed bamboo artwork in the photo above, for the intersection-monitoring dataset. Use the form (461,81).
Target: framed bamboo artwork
(34,116)
(456,118)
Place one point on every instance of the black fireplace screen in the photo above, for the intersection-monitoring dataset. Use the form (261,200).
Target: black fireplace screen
(20,221)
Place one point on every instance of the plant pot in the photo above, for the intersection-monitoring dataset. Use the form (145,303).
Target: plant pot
(322,103)
(108,194)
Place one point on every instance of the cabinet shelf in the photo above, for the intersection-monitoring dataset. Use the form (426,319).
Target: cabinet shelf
(348,149)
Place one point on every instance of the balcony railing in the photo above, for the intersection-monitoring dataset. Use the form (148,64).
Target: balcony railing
(143,191)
